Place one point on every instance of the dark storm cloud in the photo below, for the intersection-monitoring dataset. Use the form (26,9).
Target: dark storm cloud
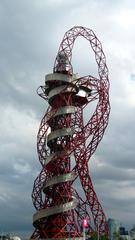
(22,51)
(27,33)
(113,173)
(120,155)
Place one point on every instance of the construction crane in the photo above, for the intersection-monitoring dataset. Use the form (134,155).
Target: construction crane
(63,193)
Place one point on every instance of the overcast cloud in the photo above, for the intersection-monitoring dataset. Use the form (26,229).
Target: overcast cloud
(30,34)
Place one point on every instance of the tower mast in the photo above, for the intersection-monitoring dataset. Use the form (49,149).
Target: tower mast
(65,145)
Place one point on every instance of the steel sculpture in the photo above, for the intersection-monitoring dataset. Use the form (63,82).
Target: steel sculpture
(65,145)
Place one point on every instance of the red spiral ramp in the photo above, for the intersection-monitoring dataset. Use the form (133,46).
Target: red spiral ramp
(65,145)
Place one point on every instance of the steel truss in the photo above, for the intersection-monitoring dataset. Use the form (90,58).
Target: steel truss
(65,145)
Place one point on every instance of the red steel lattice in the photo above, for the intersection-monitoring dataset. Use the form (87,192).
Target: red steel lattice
(65,145)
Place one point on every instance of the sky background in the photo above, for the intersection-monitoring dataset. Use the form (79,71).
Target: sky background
(30,34)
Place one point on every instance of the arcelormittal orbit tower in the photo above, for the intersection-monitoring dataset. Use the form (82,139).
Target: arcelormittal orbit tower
(63,193)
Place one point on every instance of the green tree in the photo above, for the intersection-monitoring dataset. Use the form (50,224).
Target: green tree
(116,236)
(95,237)
(103,237)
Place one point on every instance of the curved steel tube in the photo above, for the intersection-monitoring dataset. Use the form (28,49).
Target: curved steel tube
(54,156)
(62,89)
(60,77)
(60,179)
(61,111)
(59,133)
(54,210)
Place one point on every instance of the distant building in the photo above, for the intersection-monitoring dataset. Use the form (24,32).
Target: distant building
(3,237)
(15,238)
(9,237)
(125,237)
(124,234)
(132,233)
(114,228)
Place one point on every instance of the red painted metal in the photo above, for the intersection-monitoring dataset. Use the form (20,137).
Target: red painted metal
(80,145)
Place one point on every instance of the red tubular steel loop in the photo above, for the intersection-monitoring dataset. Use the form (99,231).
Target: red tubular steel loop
(63,135)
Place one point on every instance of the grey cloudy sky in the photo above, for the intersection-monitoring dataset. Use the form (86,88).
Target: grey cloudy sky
(30,34)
